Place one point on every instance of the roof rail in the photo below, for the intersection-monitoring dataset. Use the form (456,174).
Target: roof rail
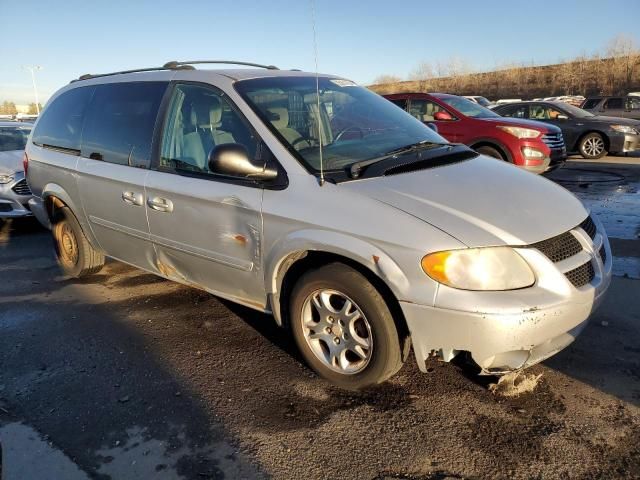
(175,64)
(87,76)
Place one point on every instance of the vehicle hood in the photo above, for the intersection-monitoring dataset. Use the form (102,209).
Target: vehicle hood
(480,202)
(521,122)
(610,120)
(11,162)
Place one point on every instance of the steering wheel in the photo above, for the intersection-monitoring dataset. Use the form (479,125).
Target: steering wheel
(339,135)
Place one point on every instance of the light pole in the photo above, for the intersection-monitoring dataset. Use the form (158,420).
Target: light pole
(32,69)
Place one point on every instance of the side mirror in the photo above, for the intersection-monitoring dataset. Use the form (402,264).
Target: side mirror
(233,159)
(433,126)
(562,117)
(443,116)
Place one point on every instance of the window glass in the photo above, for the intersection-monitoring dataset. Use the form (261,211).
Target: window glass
(634,103)
(402,103)
(61,123)
(350,122)
(199,119)
(120,121)
(424,110)
(467,107)
(514,111)
(613,103)
(13,138)
(544,112)
(591,103)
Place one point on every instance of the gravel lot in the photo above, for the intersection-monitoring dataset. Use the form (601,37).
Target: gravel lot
(126,375)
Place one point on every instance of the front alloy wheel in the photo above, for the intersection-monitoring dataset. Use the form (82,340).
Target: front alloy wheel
(592,146)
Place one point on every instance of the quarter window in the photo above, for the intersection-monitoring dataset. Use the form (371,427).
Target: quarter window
(61,122)
(199,119)
(120,121)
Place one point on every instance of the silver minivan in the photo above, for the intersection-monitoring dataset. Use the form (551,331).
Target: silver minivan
(360,229)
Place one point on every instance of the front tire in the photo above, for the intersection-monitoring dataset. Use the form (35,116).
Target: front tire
(592,146)
(74,253)
(490,152)
(344,328)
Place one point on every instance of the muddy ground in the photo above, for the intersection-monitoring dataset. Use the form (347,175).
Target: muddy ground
(126,375)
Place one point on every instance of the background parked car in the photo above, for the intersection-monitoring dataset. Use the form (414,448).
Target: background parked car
(590,135)
(627,107)
(485,102)
(14,191)
(535,146)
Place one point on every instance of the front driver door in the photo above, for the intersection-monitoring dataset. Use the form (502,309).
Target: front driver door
(206,228)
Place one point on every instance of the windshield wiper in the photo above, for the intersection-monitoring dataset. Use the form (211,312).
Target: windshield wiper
(357,167)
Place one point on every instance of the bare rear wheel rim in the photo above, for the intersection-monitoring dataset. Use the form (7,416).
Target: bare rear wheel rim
(593,146)
(68,246)
(337,331)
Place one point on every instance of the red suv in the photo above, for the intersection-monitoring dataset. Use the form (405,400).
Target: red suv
(534,146)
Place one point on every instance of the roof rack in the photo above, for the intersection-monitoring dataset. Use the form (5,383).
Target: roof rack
(175,64)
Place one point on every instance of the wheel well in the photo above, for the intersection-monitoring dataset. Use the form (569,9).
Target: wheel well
(500,150)
(305,261)
(604,136)
(53,205)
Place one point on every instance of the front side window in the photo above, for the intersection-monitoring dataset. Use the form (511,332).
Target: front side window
(61,122)
(345,122)
(424,110)
(613,103)
(515,111)
(544,112)
(13,138)
(120,121)
(634,103)
(199,119)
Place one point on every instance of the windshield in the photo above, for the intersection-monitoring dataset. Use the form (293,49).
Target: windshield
(576,111)
(483,101)
(356,124)
(468,108)
(13,138)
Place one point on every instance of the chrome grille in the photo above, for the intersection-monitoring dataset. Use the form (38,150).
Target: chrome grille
(559,248)
(553,140)
(22,188)
(588,226)
(582,275)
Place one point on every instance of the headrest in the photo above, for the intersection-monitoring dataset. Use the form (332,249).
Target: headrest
(279,117)
(206,113)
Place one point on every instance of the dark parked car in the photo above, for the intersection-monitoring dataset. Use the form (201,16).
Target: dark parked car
(625,107)
(590,135)
(534,146)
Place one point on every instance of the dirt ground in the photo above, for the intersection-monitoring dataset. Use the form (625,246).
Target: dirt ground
(132,376)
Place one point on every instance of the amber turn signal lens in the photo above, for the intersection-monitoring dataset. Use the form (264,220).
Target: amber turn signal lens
(434,266)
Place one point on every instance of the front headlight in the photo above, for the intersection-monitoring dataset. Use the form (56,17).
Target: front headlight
(520,132)
(5,179)
(624,129)
(491,268)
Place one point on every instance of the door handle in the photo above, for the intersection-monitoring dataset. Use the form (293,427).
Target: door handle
(132,198)
(160,204)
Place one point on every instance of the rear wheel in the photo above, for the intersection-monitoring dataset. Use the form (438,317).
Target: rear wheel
(343,327)
(74,253)
(592,146)
(490,152)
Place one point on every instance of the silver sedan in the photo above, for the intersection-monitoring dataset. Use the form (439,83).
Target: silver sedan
(14,190)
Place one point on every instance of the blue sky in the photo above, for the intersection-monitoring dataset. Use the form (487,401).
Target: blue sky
(356,39)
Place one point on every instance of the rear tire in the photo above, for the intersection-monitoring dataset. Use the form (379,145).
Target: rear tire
(74,253)
(592,146)
(344,328)
(490,152)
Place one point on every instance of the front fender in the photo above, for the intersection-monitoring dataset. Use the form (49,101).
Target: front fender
(364,253)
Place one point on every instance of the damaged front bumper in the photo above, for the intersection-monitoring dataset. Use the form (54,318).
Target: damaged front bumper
(507,331)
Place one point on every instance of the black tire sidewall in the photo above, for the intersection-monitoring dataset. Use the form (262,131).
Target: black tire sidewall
(582,142)
(386,355)
(490,152)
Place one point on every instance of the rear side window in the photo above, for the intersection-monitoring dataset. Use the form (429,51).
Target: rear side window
(120,121)
(401,102)
(591,103)
(613,103)
(61,122)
